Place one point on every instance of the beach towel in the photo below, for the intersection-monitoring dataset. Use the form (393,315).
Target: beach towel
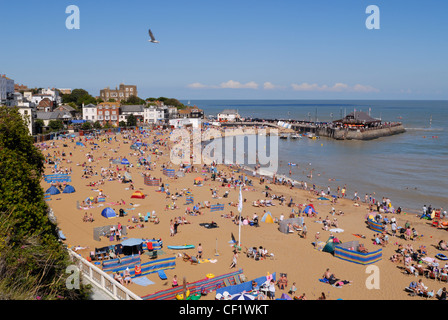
(207,260)
(162,275)
(142,281)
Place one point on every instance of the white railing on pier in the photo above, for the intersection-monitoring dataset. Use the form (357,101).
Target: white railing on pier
(101,279)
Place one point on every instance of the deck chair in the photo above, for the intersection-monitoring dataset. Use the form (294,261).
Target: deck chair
(432,275)
(237,279)
(193,260)
(443,278)
(226,282)
(152,254)
(420,271)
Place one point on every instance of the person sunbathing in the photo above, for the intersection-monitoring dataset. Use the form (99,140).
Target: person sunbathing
(362,249)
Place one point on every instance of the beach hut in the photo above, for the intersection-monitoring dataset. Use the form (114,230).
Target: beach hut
(267,217)
(68,189)
(108,213)
(53,190)
(124,161)
(138,195)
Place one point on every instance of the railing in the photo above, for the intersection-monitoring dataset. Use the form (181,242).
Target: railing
(102,280)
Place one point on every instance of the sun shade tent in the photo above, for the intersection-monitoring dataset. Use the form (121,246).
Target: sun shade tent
(138,195)
(267,217)
(108,213)
(68,189)
(132,246)
(283,225)
(330,245)
(127,177)
(125,161)
(53,190)
(308,208)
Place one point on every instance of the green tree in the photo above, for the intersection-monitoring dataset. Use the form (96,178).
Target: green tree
(78,97)
(86,126)
(56,125)
(133,100)
(97,125)
(107,125)
(122,123)
(131,121)
(32,260)
(39,125)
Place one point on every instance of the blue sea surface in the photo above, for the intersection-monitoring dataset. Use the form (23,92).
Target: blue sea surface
(410,168)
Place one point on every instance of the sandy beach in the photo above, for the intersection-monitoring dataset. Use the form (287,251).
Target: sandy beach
(289,253)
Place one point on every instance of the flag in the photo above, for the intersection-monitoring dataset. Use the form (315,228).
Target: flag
(240,202)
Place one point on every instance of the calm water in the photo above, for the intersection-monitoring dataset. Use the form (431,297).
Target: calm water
(411,168)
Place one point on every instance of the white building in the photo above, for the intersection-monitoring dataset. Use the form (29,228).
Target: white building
(154,114)
(89,112)
(6,90)
(228,115)
(185,122)
(52,95)
(28,115)
(136,110)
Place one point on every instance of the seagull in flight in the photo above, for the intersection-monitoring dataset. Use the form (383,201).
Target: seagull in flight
(153,40)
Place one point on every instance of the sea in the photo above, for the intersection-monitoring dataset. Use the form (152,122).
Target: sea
(411,169)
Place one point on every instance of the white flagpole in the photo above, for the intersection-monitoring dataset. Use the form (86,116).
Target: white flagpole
(240,209)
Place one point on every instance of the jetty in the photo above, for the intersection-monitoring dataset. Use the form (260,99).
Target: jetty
(354,126)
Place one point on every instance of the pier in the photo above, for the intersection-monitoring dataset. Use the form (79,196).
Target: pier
(355,126)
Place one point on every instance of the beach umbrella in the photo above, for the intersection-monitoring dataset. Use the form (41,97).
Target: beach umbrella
(243,296)
(198,179)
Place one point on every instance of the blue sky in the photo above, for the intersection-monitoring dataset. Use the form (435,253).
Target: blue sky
(232,49)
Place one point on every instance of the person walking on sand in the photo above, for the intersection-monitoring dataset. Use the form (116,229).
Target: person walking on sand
(200,251)
(234,259)
(304,230)
(171,228)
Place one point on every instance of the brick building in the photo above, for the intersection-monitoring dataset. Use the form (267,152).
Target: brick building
(108,112)
(123,92)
